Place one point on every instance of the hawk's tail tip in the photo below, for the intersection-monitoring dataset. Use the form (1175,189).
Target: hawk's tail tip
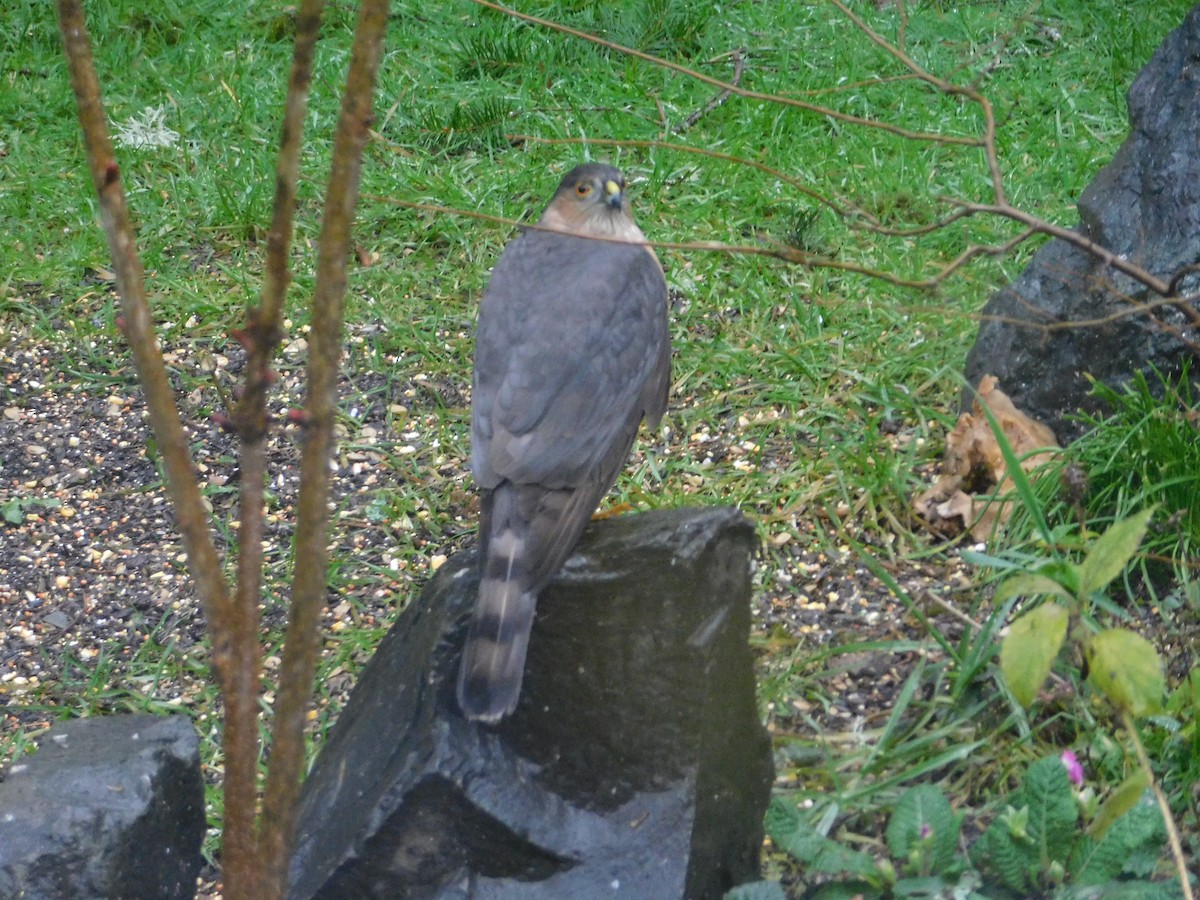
(482,699)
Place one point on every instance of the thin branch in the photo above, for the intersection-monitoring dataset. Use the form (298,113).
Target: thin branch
(302,646)
(858,218)
(1050,327)
(242,870)
(796,256)
(739,66)
(279,237)
(240,734)
(844,209)
(776,251)
(1176,281)
(1000,44)
(138,326)
(925,136)
(988,141)
(897,52)
(1070,236)
(844,212)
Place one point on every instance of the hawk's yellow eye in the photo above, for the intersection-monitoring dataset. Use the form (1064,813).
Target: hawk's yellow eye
(583,189)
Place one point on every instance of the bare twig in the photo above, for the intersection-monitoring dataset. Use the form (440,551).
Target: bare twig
(986,141)
(862,219)
(1070,236)
(302,645)
(1176,282)
(859,218)
(739,66)
(1002,208)
(777,251)
(794,182)
(854,215)
(733,88)
(799,257)
(138,326)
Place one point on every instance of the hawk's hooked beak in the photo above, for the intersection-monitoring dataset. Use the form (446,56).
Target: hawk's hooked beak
(612,194)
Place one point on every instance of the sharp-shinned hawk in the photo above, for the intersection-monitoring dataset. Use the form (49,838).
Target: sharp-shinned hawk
(572,351)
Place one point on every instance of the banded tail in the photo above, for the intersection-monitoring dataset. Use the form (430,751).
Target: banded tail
(525,533)
(493,663)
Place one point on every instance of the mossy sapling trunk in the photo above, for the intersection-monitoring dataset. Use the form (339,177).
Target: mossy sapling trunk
(302,644)
(254,862)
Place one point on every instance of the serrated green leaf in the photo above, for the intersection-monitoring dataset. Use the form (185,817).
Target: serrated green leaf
(1091,863)
(795,836)
(757,890)
(1142,831)
(1029,650)
(924,810)
(1112,551)
(1029,585)
(1136,834)
(1053,812)
(1118,803)
(999,853)
(1127,669)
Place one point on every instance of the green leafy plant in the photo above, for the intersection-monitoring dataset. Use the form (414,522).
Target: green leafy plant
(1036,842)
(1040,842)
(922,839)
(15,509)
(1122,665)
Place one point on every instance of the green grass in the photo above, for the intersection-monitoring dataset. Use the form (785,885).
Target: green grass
(1145,453)
(814,399)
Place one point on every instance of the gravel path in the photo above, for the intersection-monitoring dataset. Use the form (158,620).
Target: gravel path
(90,562)
(91,566)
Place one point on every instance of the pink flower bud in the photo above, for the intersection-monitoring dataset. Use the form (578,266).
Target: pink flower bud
(1074,769)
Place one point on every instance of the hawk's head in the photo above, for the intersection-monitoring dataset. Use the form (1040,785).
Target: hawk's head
(591,200)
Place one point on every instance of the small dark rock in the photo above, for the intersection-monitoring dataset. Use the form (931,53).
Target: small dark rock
(1143,206)
(57,619)
(635,765)
(111,807)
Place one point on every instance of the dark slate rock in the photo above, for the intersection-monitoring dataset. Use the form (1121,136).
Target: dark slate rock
(635,765)
(111,807)
(1145,206)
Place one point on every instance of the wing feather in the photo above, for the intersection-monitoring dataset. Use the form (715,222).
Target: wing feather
(572,344)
